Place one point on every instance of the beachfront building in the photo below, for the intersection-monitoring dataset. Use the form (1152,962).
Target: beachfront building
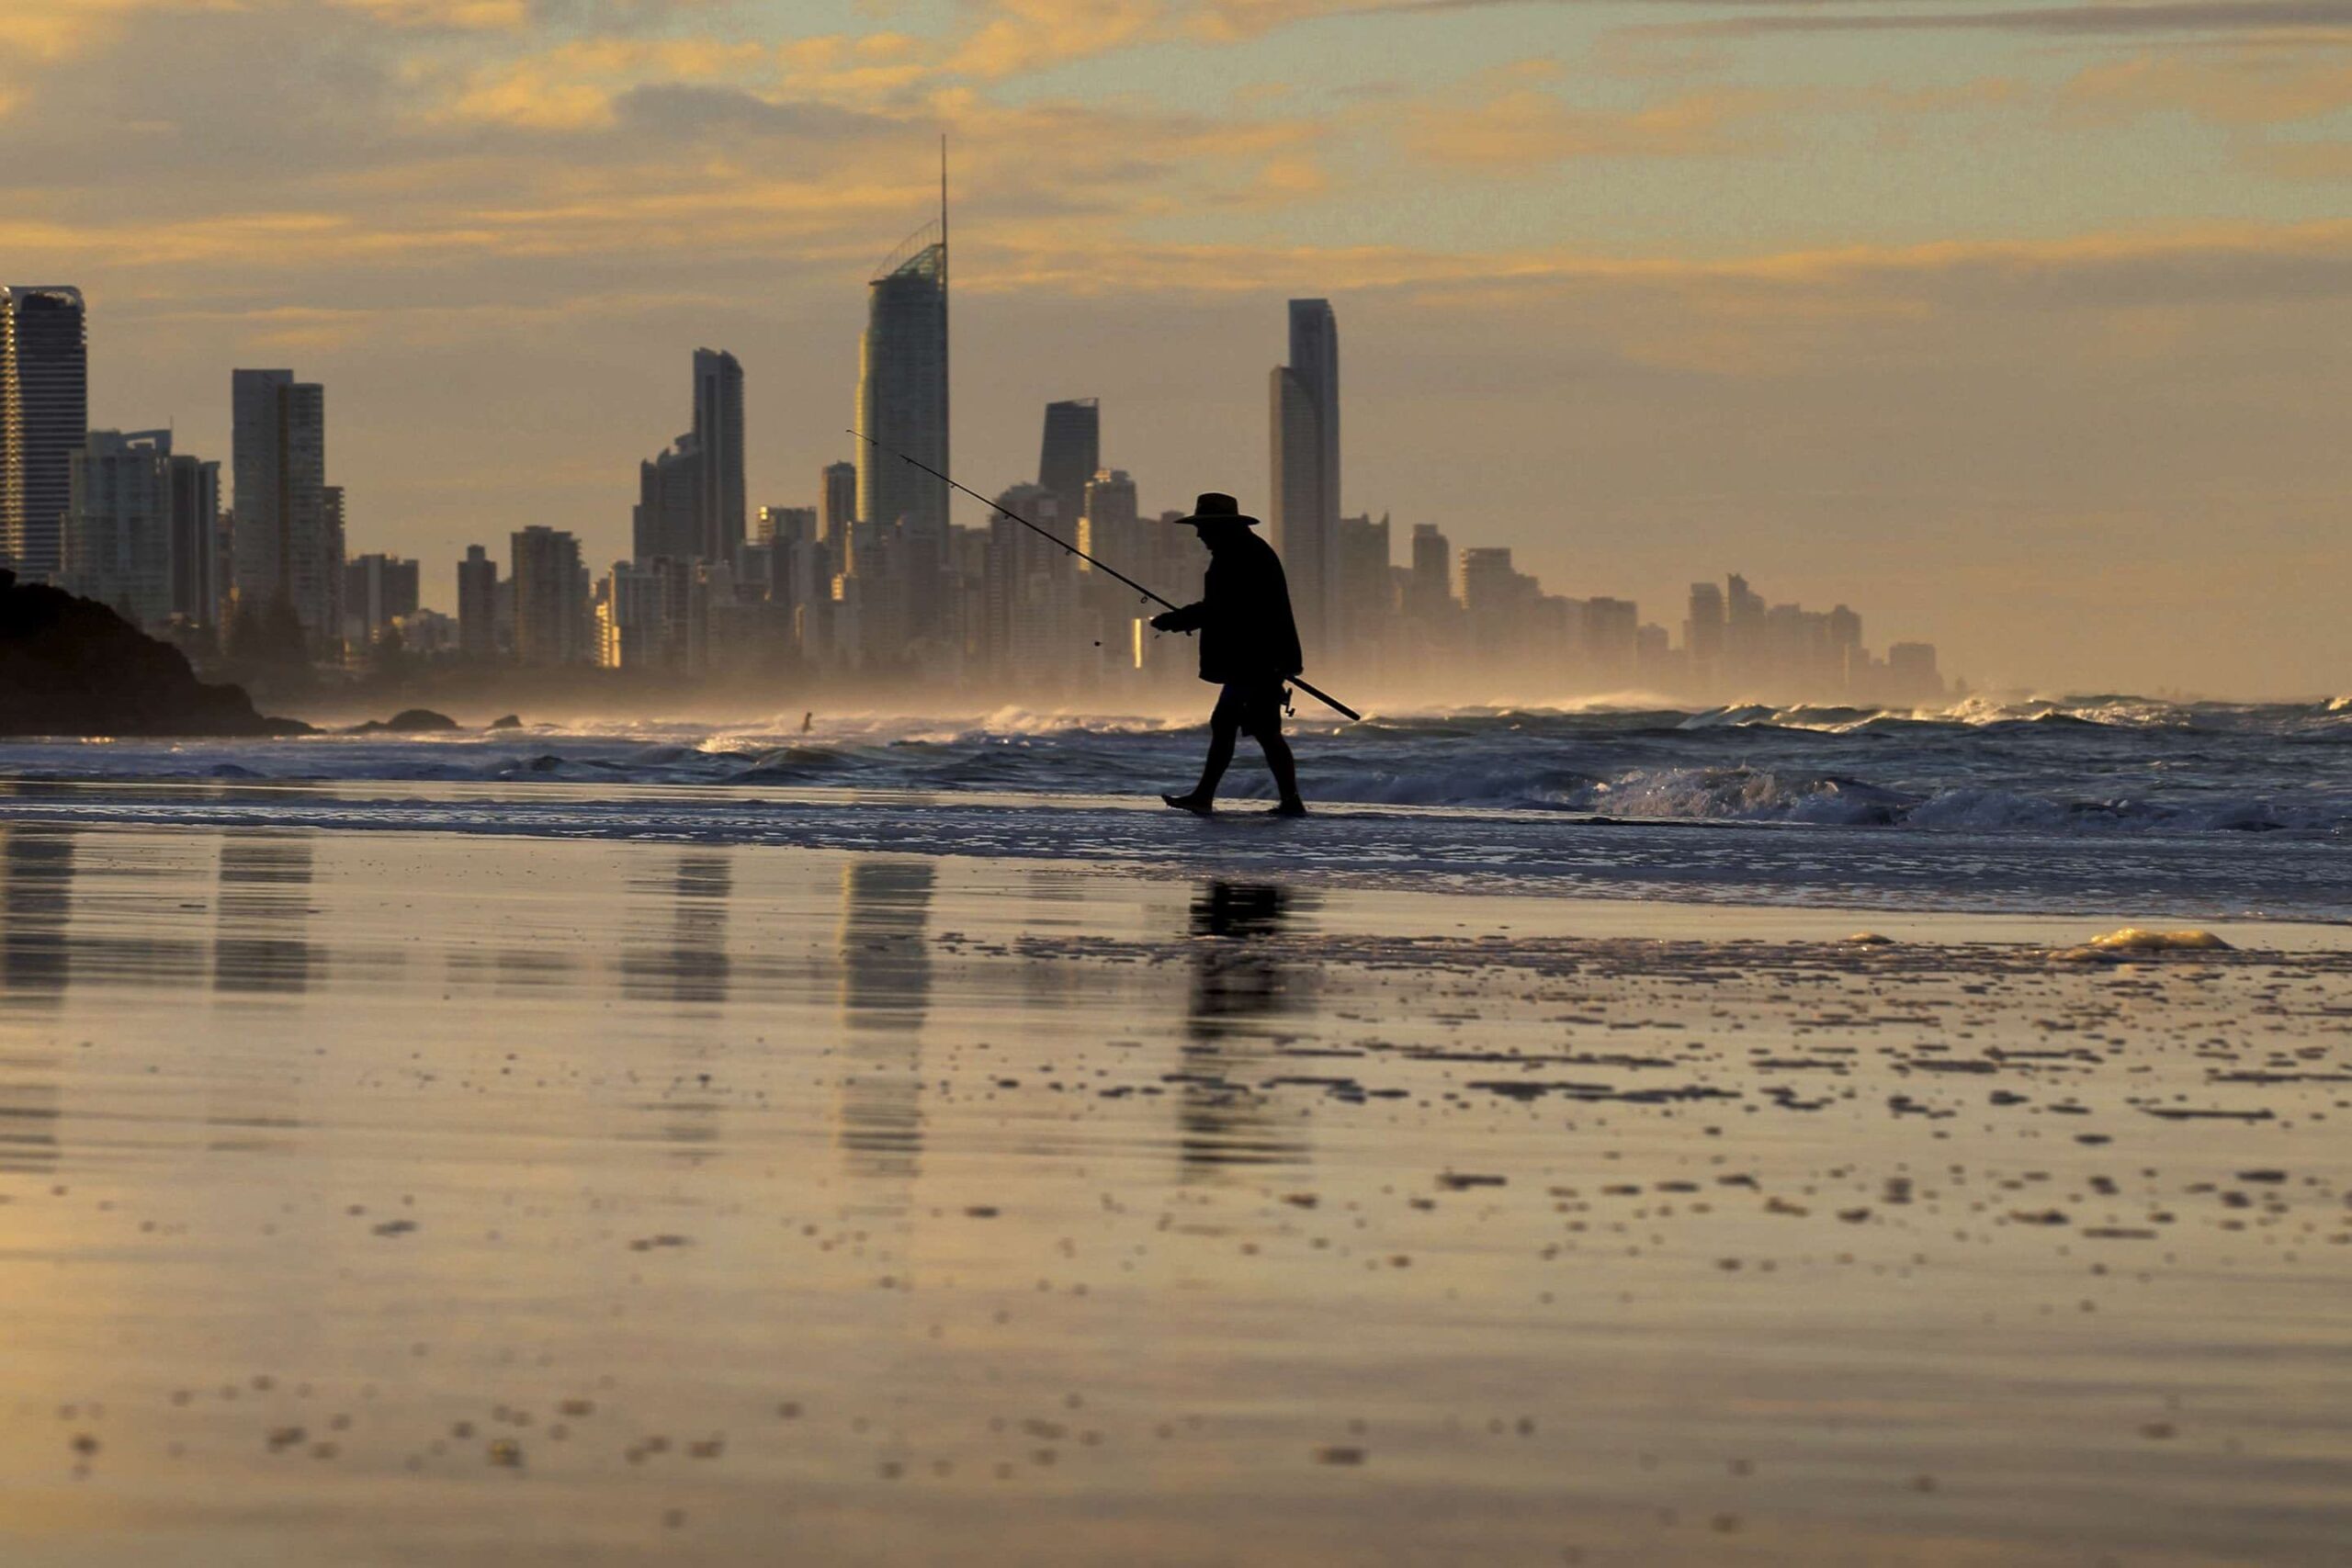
(45,415)
(117,547)
(902,405)
(1303,407)
(288,536)
(377,589)
(837,502)
(1071,453)
(477,604)
(718,448)
(551,626)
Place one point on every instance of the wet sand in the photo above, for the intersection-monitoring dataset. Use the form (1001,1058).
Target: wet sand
(391,1198)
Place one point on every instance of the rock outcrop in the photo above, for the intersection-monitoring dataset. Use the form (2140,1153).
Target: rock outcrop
(72,667)
(408,721)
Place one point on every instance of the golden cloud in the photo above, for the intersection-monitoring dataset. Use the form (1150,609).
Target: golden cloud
(2245,86)
(1518,129)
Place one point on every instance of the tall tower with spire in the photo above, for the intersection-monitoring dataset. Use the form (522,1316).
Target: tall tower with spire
(902,405)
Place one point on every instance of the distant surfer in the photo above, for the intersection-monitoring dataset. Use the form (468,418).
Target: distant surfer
(807,721)
(1249,647)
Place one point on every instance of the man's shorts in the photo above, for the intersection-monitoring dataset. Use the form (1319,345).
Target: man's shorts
(1254,707)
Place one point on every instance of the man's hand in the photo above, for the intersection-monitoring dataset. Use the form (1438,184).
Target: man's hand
(1164,622)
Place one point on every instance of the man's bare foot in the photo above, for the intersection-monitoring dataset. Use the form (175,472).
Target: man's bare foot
(1290,808)
(1197,804)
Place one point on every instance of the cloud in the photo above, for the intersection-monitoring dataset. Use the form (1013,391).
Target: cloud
(2123,18)
(1512,119)
(2242,87)
(1021,36)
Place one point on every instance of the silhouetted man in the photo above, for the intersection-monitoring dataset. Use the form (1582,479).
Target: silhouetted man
(1248,645)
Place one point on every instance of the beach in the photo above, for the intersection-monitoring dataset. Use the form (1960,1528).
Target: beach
(403,1195)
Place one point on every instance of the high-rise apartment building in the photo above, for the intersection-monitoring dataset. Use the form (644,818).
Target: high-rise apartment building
(1303,407)
(377,591)
(45,415)
(837,503)
(117,547)
(550,597)
(1072,454)
(719,445)
(288,541)
(477,604)
(1432,592)
(902,405)
(1702,633)
(670,514)
(1108,526)
(197,579)
(1362,595)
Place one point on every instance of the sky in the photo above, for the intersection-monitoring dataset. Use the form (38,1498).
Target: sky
(2024,329)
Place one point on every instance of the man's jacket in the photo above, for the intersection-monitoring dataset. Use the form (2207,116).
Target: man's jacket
(1244,618)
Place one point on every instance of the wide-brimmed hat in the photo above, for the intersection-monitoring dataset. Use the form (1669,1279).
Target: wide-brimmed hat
(1216,506)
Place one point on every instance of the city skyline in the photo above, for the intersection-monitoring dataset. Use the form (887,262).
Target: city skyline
(1602,308)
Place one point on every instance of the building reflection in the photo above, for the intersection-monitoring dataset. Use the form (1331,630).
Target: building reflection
(691,966)
(259,946)
(688,968)
(884,993)
(35,901)
(36,897)
(1240,983)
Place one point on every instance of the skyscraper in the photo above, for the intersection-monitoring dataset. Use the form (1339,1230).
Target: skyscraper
(196,540)
(45,415)
(1432,583)
(550,597)
(477,604)
(1362,595)
(116,544)
(718,443)
(837,509)
(1072,454)
(902,405)
(1107,523)
(670,514)
(377,591)
(1305,416)
(285,544)
(1702,633)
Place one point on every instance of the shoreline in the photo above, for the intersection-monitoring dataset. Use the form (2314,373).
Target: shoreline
(1861,873)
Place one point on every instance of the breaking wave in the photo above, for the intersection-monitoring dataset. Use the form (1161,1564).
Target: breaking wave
(2095,764)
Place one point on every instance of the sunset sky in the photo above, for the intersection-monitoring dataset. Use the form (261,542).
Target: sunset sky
(2023,329)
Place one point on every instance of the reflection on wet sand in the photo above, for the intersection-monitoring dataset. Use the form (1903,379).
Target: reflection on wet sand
(36,893)
(692,966)
(259,947)
(1239,984)
(1724,1245)
(884,993)
(36,900)
(689,972)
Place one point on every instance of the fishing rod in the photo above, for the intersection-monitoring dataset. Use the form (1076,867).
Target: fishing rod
(1324,697)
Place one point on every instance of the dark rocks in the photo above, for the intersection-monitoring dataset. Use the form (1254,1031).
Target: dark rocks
(72,667)
(506,721)
(408,721)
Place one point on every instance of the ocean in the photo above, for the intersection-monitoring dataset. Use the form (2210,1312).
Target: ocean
(2095,805)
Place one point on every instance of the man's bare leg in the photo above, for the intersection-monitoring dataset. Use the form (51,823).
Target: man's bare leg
(1204,795)
(1284,768)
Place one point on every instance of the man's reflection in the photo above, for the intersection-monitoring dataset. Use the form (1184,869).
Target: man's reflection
(1238,983)
(885,990)
(259,946)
